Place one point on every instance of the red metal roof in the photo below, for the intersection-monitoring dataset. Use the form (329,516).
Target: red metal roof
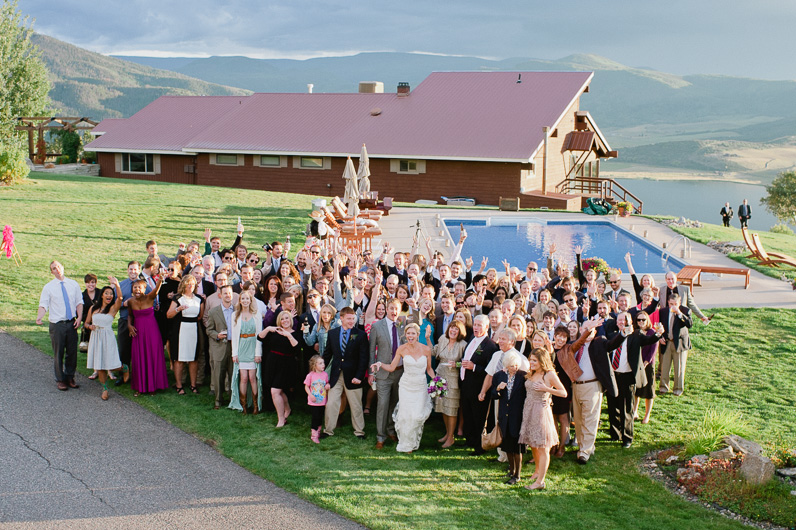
(165,125)
(450,115)
(579,141)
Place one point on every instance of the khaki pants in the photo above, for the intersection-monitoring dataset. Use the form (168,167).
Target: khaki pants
(354,404)
(587,401)
(220,368)
(673,358)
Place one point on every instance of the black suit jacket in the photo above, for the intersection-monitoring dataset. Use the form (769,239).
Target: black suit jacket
(682,339)
(510,410)
(635,341)
(353,362)
(208,287)
(474,379)
(609,328)
(387,270)
(599,356)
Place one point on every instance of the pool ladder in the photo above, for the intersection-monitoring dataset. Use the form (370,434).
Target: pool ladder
(685,249)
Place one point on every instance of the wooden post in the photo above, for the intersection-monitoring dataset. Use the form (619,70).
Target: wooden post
(544,164)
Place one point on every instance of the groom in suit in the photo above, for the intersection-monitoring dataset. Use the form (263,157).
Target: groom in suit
(347,354)
(475,359)
(386,336)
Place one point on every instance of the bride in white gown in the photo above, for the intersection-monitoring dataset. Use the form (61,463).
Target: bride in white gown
(414,404)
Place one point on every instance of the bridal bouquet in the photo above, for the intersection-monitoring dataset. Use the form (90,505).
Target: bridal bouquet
(438,387)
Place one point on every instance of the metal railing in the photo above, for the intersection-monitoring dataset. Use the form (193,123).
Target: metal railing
(668,251)
(605,188)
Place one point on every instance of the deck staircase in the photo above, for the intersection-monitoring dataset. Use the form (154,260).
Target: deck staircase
(603,188)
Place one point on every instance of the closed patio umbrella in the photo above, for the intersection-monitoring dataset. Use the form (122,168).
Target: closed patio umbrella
(351,197)
(363,173)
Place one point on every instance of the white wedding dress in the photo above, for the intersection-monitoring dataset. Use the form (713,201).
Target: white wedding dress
(414,404)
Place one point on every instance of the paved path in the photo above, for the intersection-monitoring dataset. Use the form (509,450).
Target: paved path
(58,452)
(725,291)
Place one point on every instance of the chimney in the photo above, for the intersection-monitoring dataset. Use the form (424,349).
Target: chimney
(309,88)
(403,88)
(371,87)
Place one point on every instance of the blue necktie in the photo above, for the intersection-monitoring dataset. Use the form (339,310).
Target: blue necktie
(344,341)
(67,305)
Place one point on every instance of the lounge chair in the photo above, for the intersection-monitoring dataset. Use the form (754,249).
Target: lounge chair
(342,210)
(772,260)
(753,247)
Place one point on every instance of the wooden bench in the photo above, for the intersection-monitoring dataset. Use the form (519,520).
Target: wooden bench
(692,275)
(688,275)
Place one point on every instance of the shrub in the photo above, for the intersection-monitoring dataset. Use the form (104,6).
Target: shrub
(707,435)
(13,167)
(781,228)
(781,453)
(63,159)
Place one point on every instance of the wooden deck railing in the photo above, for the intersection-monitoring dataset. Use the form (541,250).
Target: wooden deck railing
(605,188)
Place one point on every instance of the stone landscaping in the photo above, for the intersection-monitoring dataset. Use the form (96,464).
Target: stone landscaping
(740,460)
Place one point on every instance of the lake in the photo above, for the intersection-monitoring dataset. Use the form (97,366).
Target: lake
(700,199)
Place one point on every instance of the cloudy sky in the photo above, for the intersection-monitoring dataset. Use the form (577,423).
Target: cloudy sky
(750,39)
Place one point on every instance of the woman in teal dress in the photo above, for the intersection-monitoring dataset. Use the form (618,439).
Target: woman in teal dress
(425,308)
(246,354)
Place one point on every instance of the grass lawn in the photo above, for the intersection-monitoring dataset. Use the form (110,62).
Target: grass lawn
(772,242)
(744,360)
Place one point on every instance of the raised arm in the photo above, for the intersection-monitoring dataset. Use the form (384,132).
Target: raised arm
(154,292)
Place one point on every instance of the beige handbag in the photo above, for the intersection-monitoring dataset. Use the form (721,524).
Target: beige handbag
(491,440)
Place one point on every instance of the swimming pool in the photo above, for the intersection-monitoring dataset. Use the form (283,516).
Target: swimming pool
(520,240)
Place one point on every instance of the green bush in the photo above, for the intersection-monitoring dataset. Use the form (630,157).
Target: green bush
(63,159)
(706,436)
(71,144)
(12,165)
(781,228)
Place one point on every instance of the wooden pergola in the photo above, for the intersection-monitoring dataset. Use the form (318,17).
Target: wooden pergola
(45,123)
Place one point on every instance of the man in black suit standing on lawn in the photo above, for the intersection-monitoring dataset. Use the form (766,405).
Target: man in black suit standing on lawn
(347,354)
(475,359)
(629,374)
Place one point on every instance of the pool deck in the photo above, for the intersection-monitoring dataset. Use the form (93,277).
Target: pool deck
(725,291)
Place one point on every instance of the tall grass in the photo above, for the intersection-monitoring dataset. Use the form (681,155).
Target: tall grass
(707,434)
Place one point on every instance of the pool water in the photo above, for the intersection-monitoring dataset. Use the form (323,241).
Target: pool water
(520,240)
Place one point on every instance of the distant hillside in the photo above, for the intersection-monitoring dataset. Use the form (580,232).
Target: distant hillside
(621,97)
(98,86)
(701,123)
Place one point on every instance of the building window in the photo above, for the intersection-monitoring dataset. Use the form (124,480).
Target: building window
(138,163)
(407,166)
(227,160)
(270,161)
(312,162)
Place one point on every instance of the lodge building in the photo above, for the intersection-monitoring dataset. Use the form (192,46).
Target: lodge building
(483,135)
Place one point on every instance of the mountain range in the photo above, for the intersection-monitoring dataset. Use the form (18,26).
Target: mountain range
(716,125)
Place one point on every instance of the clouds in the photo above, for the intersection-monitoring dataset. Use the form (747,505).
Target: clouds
(680,36)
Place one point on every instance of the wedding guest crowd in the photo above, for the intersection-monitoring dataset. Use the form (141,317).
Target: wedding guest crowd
(348,327)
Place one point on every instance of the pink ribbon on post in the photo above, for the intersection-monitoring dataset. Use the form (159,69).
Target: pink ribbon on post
(8,241)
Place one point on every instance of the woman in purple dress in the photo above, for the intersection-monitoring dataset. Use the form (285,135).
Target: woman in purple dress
(148,363)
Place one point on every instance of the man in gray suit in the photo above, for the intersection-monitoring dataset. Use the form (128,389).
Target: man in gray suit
(385,337)
(676,342)
(684,293)
(218,324)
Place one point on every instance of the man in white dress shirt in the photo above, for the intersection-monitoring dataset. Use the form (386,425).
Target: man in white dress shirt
(61,297)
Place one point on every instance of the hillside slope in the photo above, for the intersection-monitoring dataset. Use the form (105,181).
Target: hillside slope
(94,85)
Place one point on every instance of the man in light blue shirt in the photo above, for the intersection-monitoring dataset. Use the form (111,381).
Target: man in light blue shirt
(61,297)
